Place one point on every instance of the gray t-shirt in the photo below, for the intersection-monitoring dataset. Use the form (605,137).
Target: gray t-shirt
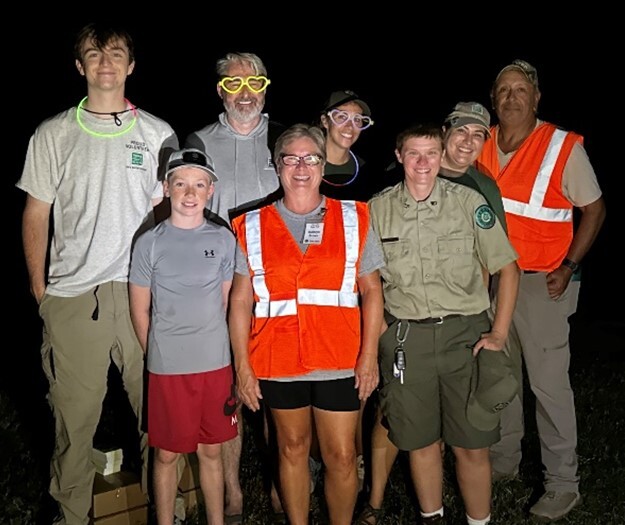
(185,270)
(101,187)
(372,259)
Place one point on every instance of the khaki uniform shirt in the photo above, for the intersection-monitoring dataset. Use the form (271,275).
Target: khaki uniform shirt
(435,250)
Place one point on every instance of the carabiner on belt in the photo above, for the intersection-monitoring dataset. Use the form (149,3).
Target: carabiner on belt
(399,365)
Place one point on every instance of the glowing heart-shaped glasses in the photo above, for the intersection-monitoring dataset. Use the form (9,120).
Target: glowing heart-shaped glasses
(255,84)
(340,118)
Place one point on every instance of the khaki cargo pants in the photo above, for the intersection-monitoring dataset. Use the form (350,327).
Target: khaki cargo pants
(81,336)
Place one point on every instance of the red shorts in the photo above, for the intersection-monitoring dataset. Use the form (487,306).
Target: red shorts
(187,409)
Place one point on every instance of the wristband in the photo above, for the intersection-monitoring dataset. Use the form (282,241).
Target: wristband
(572,265)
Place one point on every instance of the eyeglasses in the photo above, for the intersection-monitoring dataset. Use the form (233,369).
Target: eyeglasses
(340,118)
(294,160)
(255,84)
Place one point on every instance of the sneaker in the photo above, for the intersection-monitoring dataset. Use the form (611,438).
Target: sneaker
(504,476)
(555,505)
(433,520)
(315,472)
(360,466)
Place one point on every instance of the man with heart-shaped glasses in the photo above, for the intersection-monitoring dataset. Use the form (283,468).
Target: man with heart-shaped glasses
(240,141)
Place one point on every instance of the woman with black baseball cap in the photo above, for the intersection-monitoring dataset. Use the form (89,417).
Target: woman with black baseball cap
(343,118)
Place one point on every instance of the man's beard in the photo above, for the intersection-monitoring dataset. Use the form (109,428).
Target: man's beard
(246,114)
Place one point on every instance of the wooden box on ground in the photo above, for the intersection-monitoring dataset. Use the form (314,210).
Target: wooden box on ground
(118,498)
(192,498)
(136,516)
(189,484)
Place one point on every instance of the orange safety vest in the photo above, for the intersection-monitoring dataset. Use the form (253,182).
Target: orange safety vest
(539,216)
(306,312)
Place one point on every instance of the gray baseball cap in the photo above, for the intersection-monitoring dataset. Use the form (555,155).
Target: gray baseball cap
(524,67)
(493,387)
(469,113)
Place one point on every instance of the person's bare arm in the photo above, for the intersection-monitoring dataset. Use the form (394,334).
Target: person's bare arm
(372,310)
(35,231)
(592,218)
(140,301)
(507,292)
(239,325)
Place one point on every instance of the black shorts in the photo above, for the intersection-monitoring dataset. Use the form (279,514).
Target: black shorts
(336,395)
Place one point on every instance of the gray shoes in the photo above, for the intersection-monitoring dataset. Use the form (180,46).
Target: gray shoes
(554,505)
(504,476)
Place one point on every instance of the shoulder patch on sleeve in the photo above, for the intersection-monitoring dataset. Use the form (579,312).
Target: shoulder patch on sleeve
(484,217)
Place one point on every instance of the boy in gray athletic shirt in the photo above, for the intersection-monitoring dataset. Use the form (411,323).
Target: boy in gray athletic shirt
(180,277)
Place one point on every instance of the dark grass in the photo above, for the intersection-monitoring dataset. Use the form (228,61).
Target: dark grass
(597,375)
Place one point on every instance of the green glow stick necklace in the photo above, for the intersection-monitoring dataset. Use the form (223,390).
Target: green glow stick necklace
(114,114)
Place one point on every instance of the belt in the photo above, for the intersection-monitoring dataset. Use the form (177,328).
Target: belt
(428,320)
(434,320)
(530,271)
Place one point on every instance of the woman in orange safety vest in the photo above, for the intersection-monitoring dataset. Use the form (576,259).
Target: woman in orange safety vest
(305,316)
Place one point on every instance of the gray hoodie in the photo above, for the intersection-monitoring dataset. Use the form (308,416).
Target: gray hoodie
(243,164)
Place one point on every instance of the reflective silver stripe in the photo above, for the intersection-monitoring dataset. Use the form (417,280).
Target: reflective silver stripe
(352,245)
(345,297)
(534,209)
(255,255)
(327,297)
(543,214)
(275,308)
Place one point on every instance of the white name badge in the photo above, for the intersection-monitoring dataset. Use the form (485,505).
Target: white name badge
(313,234)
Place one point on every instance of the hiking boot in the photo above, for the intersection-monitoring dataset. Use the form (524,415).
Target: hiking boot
(555,505)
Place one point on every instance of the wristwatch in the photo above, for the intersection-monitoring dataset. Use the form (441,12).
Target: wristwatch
(570,264)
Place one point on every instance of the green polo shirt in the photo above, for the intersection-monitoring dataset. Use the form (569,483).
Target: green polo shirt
(435,250)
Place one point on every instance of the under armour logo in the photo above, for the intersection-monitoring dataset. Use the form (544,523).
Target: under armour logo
(209,254)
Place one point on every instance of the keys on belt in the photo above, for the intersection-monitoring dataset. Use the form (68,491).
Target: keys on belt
(399,365)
